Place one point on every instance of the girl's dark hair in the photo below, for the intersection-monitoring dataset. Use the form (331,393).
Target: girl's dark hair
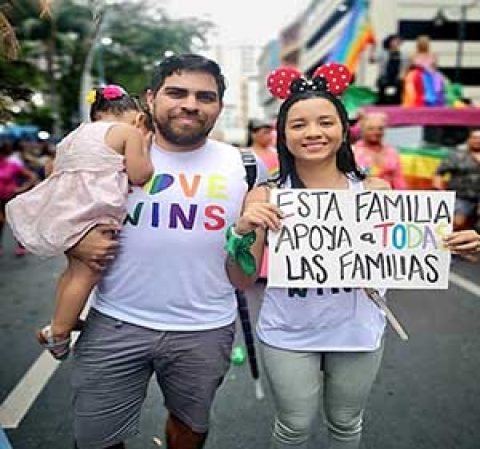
(345,158)
(115,106)
(143,107)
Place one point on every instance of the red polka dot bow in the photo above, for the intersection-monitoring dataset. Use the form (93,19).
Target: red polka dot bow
(331,77)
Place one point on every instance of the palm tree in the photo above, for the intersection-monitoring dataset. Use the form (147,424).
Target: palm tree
(9,45)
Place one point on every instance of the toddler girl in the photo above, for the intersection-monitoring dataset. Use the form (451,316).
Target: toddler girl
(87,187)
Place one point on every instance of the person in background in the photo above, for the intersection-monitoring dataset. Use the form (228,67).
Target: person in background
(260,141)
(423,57)
(15,178)
(376,157)
(462,170)
(392,67)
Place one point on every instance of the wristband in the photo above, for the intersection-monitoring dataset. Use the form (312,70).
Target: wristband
(238,248)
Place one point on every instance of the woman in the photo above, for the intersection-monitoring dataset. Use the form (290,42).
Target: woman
(325,332)
(423,57)
(374,156)
(424,85)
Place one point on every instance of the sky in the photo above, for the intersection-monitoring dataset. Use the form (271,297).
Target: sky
(240,21)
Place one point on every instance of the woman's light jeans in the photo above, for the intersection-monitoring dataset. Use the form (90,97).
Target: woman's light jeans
(295,379)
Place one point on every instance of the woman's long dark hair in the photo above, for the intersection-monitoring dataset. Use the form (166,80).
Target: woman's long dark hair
(345,158)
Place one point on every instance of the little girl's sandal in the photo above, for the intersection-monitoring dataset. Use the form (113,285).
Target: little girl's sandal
(58,348)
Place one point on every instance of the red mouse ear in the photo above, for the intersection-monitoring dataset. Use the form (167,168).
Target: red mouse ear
(278,82)
(337,75)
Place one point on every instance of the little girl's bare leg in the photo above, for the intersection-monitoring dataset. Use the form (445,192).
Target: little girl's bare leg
(73,290)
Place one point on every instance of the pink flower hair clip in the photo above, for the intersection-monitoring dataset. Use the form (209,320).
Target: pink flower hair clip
(112,92)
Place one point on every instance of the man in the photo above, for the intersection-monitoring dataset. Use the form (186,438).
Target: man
(392,68)
(463,169)
(165,305)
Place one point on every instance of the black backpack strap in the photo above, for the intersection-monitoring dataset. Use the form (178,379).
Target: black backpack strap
(250,164)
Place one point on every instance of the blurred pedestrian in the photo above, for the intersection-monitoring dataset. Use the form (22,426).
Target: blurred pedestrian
(88,187)
(15,178)
(376,157)
(424,85)
(462,173)
(423,57)
(261,142)
(392,68)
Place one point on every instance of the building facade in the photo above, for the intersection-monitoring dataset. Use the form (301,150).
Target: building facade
(452,25)
(241,101)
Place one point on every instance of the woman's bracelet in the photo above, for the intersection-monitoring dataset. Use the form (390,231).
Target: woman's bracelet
(238,248)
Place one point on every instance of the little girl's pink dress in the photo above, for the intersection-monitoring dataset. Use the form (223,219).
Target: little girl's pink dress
(88,186)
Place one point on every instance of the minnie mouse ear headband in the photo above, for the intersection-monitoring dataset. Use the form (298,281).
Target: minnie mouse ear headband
(331,77)
(109,92)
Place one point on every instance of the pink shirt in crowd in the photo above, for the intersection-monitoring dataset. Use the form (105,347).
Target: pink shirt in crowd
(390,168)
(9,171)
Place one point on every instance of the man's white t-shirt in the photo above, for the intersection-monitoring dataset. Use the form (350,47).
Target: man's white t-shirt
(169,273)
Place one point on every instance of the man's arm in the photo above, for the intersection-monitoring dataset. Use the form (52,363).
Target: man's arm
(98,248)
(258,215)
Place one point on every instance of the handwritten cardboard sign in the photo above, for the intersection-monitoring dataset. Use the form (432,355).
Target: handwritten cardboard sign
(345,238)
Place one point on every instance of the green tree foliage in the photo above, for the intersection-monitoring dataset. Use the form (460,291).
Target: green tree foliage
(54,48)
(141,41)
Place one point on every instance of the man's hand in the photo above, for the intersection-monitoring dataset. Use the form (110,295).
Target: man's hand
(97,249)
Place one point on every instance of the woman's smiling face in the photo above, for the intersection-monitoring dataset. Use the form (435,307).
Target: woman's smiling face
(313,130)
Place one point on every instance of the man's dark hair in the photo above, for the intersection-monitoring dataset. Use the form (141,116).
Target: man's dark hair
(345,158)
(388,40)
(188,63)
(116,106)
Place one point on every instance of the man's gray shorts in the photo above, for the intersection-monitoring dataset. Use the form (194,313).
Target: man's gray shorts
(113,363)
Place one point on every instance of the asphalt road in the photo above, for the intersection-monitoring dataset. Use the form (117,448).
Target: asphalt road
(427,395)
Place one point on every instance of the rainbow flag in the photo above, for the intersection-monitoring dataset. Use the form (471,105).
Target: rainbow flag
(420,164)
(356,36)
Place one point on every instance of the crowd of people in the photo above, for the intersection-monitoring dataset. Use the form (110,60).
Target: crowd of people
(164,301)
(409,80)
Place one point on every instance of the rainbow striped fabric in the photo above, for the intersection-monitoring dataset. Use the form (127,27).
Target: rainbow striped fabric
(419,165)
(356,36)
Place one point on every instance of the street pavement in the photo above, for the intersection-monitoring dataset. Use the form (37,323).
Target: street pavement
(427,394)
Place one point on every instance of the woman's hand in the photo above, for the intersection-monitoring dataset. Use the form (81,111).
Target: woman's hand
(97,248)
(463,242)
(258,215)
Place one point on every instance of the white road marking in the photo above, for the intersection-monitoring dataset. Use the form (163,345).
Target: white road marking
(467,285)
(18,402)
(21,398)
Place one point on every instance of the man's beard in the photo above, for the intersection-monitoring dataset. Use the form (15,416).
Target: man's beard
(185,138)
